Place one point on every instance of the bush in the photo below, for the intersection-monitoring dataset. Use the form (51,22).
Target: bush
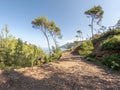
(111,44)
(87,45)
(112,61)
(90,59)
(56,54)
(14,53)
(107,35)
(84,52)
(87,48)
(108,45)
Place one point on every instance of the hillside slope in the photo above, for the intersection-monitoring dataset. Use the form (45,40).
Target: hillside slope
(108,43)
(107,49)
(69,73)
(103,48)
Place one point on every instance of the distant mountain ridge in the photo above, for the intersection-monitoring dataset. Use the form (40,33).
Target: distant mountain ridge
(67,45)
(70,44)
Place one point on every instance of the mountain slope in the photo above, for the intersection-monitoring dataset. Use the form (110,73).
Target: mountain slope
(108,43)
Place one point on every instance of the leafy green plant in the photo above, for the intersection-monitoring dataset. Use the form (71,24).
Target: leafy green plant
(87,48)
(106,49)
(14,53)
(111,44)
(85,52)
(56,54)
(112,61)
(107,35)
(90,59)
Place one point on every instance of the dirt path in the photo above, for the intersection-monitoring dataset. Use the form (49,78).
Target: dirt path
(69,73)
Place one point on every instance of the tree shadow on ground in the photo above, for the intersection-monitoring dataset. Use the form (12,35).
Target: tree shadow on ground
(57,80)
(75,81)
(98,65)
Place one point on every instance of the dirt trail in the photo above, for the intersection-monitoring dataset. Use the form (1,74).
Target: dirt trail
(69,73)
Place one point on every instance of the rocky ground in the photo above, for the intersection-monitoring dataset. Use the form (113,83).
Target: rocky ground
(71,72)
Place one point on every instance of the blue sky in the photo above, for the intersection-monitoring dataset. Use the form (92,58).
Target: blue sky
(68,15)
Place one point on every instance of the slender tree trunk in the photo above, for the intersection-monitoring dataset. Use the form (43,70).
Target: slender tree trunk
(92,21)
(55,42)
(47,43)
(79,37)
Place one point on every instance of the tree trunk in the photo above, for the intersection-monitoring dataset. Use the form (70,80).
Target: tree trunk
(92,21)
(47,43)
(54,40)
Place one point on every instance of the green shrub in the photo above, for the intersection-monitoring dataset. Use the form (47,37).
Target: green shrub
(90,59)
(85,52)
(14,53)
(87,48)
(87,45)
(56,54)
(111,44)
(107,35)
(112,61)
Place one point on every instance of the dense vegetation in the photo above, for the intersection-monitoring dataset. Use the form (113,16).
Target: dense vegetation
(14,53)
(104,49)
(108,50)
(86,48)
(104,46)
